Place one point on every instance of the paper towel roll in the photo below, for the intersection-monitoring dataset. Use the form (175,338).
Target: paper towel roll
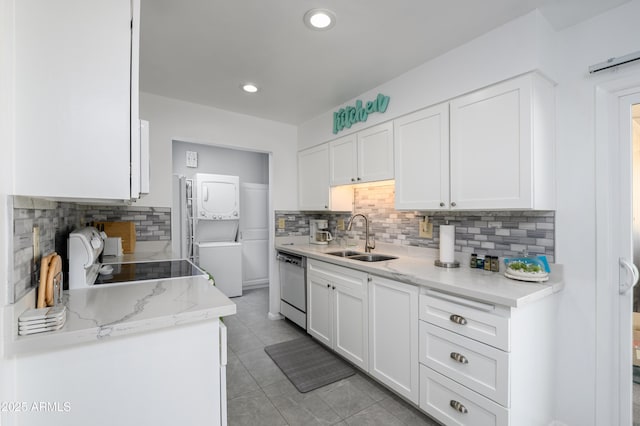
(447,241)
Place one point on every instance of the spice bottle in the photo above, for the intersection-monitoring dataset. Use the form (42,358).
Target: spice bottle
(495,264)
(480,262)
(473,260)
(487,263)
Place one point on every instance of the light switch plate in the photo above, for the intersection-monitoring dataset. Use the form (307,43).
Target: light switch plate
(340,225)
(281,223)
(192,159)
(426,229)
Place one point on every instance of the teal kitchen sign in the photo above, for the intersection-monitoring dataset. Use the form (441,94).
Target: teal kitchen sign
(346,117)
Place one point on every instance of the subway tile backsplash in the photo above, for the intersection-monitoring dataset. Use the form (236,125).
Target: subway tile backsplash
(495,233)
(55,220)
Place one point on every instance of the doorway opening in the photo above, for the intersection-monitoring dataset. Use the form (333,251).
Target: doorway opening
(253,170)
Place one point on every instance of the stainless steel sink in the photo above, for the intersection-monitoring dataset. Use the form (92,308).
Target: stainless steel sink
(344,253)
(372,257)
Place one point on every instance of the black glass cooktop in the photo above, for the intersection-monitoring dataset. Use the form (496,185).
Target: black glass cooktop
(142,271)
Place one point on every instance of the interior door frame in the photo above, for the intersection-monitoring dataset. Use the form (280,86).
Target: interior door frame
(613,387)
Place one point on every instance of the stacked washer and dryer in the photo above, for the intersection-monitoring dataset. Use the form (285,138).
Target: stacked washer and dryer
(206,217)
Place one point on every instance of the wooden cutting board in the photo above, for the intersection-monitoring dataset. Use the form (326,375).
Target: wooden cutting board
(124,230)
(44,275)
(55,268)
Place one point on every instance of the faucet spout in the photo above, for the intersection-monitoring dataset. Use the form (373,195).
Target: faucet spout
(367,246)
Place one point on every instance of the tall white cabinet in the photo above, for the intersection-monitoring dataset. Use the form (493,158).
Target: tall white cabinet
(76,94)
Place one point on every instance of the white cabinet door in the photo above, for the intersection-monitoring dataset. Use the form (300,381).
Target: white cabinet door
(421,155)
(375,153)
(393,336)
(350,316)
(502,152)
(320,308)
(343,160)
(73,98)
(313,178)
(337,313)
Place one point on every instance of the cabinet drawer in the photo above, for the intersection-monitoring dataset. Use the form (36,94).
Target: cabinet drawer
(453,404)
(479,367)
(479,321)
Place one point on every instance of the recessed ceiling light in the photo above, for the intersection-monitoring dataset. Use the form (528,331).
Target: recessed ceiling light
(319,19)
(249,87)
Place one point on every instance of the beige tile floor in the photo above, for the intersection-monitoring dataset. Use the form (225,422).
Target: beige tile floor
(259,394)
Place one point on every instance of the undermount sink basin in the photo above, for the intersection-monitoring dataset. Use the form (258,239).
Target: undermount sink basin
(372,257)
(345,253)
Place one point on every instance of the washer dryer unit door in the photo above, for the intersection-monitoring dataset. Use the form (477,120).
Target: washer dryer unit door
(217,197)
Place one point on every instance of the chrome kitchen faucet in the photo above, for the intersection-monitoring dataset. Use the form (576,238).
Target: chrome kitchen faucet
(367,246)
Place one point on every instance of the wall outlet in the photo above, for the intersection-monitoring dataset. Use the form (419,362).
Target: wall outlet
(281,223)
(340,226)
(425,229)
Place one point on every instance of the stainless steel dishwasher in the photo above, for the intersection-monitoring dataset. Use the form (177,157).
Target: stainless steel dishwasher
(293,287)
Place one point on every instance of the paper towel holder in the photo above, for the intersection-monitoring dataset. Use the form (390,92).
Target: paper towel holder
(454,264)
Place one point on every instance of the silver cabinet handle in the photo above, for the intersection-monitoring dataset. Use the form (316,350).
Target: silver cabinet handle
(459,358)
(458,406)
(441,204)
(458,319)
(453,204)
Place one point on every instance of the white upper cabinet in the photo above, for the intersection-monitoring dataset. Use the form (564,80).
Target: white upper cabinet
(502,146)
(343,160)
(421,145)
(366,156)
(314,192)
(491,149)
(76,96)
(313,178)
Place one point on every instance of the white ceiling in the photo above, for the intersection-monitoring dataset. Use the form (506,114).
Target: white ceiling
(202,50)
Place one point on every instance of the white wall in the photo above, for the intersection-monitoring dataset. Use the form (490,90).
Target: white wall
(7,366)
(517,47)
(170,119)
(615,33)
(525,44)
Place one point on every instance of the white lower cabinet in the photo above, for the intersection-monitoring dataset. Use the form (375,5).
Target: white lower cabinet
(484,364)
(393,335)
(337,310)
(454,404)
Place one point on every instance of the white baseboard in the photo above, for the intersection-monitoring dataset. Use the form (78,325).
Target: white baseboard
(273,317)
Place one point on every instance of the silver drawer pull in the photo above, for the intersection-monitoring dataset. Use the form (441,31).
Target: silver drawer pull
(458,319)
(458,406)
(459,357)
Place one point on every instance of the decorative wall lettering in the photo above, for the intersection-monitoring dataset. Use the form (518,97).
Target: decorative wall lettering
(346,117)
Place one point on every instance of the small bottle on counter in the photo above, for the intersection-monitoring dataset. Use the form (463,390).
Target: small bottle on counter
(495,264)
(473,260)
(487,263)
(480,262)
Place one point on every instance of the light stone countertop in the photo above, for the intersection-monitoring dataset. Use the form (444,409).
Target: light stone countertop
(96,314)
(416,266)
